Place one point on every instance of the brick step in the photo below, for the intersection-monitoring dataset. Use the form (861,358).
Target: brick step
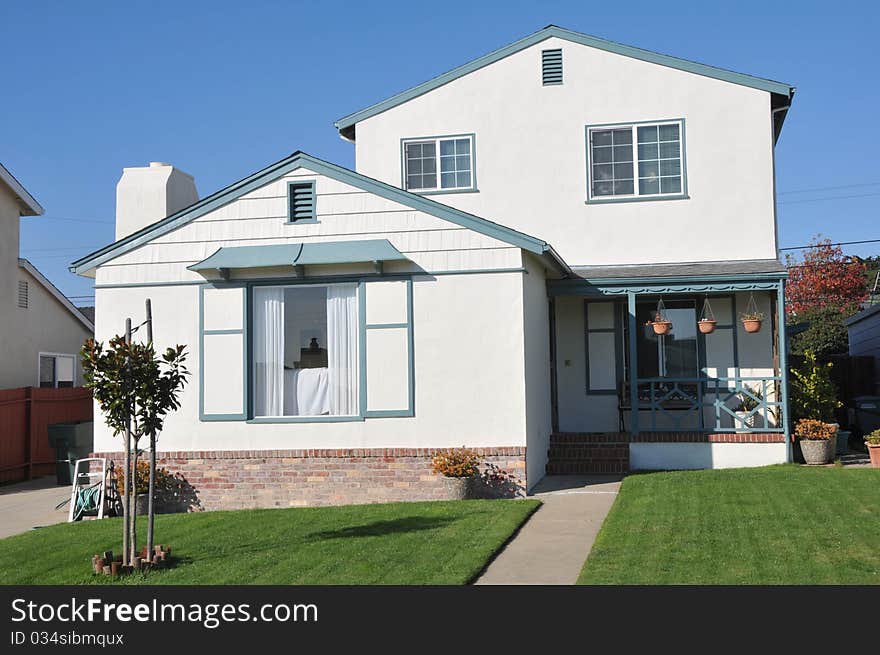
(603,451)
(574,468)
(588,438)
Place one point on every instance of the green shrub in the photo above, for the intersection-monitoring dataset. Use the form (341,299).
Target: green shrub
(813,394)
(826,335)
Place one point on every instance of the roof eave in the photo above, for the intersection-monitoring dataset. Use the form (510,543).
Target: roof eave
(346,124)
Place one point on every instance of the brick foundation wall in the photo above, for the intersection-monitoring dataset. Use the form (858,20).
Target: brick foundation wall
(209,480)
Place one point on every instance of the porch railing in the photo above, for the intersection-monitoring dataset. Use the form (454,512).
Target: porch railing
(706,403)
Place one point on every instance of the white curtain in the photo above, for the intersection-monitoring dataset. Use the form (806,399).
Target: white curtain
(342,348)
(268,351)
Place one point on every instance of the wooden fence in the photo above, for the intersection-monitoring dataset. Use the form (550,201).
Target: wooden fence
(25,415)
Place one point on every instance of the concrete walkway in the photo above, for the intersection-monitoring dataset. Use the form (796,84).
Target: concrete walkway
(554,543)
(28,505)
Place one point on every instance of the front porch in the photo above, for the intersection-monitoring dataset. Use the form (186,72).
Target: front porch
(626,396)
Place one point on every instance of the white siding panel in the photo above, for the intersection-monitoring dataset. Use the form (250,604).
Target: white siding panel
(387,365)
(223,373)
(386,302)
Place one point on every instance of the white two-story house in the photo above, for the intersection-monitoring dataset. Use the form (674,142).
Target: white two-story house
(490,275)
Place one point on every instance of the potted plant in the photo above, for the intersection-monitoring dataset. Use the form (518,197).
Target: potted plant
(142,485)
(872,441)
(818,440)
(706,325)
(707,321)
(459,468)
(747,403)
(661,324)
(752,321)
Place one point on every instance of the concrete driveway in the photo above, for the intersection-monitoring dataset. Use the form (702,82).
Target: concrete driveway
(28,505)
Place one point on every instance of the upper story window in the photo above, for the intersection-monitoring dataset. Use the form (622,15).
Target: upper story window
(453,172)
(636,161)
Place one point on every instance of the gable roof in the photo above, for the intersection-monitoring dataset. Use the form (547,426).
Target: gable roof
(346,124)
(300,159)
(56,293)
(28,204)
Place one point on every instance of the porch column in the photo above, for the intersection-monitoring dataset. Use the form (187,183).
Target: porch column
(633,365)
(783,366)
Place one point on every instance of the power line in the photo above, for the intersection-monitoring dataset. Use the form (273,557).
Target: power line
(858,195)
(840,243)
(829,188)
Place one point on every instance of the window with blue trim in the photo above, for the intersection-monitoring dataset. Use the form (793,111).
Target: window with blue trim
(636,161)
(454,171)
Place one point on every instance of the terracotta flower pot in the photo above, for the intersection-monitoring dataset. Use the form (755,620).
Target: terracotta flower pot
(661,327)
(818,451)
(752,325)
(706,326)
(874,452)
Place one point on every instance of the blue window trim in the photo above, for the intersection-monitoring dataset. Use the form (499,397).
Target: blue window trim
(646,198)
(431,192)
(408,325)
(313,218)
(245,332)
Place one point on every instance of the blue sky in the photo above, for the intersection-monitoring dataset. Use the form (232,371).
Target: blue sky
(221,89)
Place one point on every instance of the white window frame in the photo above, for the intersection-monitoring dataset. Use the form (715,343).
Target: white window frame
(55,380)
(436,141)
(635,161)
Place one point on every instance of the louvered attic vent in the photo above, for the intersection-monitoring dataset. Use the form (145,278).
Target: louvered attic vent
(301,202)
(23,294)
(551,66)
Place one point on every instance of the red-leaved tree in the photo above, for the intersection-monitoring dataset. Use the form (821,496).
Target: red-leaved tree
(824,278)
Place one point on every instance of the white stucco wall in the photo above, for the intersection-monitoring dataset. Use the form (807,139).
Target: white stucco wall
(531,155)
(536,320)
(669,456)
(44,326)
(470,366)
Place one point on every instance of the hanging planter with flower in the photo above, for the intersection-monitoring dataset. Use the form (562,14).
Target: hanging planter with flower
(752,318)
(707,320)
(660,324)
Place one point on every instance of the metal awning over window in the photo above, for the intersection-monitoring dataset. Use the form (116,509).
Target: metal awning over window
(297,255)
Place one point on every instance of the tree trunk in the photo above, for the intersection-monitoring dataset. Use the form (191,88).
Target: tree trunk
(152,492)
(126,497)
(133,540)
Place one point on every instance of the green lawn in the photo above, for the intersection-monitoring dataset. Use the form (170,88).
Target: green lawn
(396,543)
(776,525)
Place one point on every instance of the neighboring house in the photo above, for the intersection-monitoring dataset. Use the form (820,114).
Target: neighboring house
(864,337)
(41,331)
(482,279)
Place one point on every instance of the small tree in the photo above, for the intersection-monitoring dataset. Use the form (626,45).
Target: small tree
(813,394)
(824,277)
(135,390)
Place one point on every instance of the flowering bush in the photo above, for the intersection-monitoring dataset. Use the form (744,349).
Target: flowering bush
(142,479)
(814,430)
(873,438)
(456,463)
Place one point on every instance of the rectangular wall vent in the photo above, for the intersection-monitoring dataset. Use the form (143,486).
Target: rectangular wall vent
(301,202)
(551,66)
(23,294)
